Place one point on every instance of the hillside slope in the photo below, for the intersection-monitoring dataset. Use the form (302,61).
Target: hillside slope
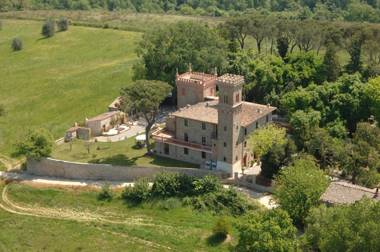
(54,82)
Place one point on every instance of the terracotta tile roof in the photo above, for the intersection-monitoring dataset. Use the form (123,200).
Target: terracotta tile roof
(343,192)
(207,112)
(103,116)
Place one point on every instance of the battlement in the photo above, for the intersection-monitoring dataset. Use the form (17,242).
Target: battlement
(195,78)
(231,79)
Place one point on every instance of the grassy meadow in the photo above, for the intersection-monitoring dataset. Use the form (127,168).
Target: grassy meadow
(74,220)
(55,82)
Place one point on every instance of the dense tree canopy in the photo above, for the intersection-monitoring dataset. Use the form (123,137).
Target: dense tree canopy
(299,187)
(36,145)
(173,48)
(344,228)
(270,231)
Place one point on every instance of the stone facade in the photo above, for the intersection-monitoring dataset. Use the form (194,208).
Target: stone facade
(213,131)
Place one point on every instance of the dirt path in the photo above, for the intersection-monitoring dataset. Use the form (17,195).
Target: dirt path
(81,216)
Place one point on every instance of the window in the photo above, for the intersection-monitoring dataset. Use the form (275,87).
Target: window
(257,125)
(225,128)
(203,155)
(225,144)
(236,158)
(203,126)
(267,118)
(166,149)
(237,98)
(183,91)
(245,131)
(186,123)
(186,151)
(186,137)
(224,159)
(225,99)
(245,144)
(203,140)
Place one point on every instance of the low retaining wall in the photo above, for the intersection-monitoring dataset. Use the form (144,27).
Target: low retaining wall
(71,170)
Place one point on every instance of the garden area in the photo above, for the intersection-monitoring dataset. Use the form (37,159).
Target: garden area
(125,153)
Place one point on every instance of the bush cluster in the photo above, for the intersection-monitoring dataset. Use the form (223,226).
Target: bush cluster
(105,194)
(17,44)
(48,28)
(63,24)
(203,194)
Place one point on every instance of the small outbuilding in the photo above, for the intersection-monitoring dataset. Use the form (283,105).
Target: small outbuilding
(343,192)
(104,122)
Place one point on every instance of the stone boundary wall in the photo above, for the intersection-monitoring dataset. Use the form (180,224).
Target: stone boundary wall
(85,171)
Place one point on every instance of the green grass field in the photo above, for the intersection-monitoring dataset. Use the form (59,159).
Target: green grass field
(74,220)
(54,82)
(117,153)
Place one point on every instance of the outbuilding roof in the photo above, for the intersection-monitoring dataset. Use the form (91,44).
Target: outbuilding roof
(103,116)
(343,192)
(208,112)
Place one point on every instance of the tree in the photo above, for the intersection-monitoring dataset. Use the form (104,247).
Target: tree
(258,30)
(16,44)
(299,188)
(144,98)
(48,28)
(331,65)
(63,24)
(372,92)
(282,46)
(355,50)
(344,228)
(36,145)
(237,28)
(171,48)
(268,231)
(261,140)
(303,123)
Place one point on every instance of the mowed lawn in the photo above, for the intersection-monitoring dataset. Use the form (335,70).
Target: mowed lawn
(157,226)
(124,153)
(55,82)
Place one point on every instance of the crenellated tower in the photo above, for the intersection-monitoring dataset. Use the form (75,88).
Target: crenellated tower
(230,144)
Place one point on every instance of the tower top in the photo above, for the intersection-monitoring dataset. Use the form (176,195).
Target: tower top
(231,79)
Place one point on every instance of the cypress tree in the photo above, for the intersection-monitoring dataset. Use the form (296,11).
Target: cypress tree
(331,65)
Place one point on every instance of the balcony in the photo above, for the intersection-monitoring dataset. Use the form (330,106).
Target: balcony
(168,137)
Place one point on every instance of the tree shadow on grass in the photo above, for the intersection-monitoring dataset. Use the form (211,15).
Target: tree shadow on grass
(168,162)
(216,239)
(119,159)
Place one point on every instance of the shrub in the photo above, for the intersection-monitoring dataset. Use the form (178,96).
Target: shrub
(166,185)
(48,28)
(222,228)
(105,194)
(207,184)
(186,185)
(16,44)
(138,193)
(63,24)
(36,145)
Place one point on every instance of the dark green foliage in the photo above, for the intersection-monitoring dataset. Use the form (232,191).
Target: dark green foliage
(166,185)
(331,65)
(207,184)
(63,24)
(169,204)
(223,201)
(299,188)
(278,156)
(222,228)
(105,194)
(269,231)
(344,228)
(138,193)
(282,46)
(303,123)
(36,145)
(17,44)
(48,28)
(355,51)
(173,47)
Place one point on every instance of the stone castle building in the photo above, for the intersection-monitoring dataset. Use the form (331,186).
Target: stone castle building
(211,130)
